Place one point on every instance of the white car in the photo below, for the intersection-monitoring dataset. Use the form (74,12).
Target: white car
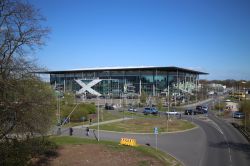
(205,108)
(173,112)
(131,109)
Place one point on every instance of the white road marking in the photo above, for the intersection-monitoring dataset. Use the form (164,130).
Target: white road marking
(225,138)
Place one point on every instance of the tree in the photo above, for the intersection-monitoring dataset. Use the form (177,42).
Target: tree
(25,101)
(159,104)
(21,32)
(245,107)
(143,97)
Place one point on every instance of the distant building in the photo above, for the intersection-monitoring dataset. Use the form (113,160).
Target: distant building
(120,81)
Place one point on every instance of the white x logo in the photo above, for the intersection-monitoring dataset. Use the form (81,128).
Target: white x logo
(87,87)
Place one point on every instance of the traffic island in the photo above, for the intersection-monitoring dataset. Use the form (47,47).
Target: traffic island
(146,125)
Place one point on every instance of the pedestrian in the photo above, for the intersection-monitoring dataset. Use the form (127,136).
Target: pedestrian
(87,131)
(70,131)
(59,131)
(90,121)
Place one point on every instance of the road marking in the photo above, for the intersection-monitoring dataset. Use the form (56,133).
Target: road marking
(225,138)
(230,156)
(217,127)
(229,150)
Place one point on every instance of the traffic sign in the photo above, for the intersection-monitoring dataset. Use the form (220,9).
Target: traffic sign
(156,130)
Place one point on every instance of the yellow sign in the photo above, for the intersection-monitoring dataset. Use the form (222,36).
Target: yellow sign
(128,141)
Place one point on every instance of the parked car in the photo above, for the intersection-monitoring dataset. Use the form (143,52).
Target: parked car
(201,109)
(154,111)
(189,112)
(172,112)
(132,109)
(109,107)
(149,110)
(146,111)
(205,108)
(198,107)
(238,115)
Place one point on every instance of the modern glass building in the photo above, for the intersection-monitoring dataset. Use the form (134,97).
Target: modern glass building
(120,81)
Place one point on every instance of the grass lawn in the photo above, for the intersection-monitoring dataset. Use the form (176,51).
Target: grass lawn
(117,154)
(104,116)
(146,125)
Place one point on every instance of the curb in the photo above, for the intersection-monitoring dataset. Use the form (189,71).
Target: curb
(161,133)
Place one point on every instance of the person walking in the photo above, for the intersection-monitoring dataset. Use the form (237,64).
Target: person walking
(87,131)
(70,131)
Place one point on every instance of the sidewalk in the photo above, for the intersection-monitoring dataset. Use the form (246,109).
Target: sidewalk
(101,123)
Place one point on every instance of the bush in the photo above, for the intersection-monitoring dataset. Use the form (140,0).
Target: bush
(245,107)
(82,110)
(16,152)
(220,106)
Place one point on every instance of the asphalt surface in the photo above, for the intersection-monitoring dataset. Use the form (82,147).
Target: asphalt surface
(187,147)
(214,142)
(226,146)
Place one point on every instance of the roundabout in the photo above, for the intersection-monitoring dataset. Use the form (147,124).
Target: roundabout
(146,125)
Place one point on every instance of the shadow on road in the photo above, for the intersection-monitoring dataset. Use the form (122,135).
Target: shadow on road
(241,147)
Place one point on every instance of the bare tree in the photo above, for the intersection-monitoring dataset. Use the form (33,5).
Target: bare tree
(21,31)
(24,100)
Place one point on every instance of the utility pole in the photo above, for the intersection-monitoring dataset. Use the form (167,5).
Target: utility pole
(98,116)
(168,109)
(243,82)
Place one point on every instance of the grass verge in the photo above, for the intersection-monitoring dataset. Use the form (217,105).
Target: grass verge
(146,125)
(114,146)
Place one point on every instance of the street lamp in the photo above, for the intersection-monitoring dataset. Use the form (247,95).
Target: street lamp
(243,82)
(98,116)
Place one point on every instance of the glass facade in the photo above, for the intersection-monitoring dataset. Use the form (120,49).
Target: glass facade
(119,82)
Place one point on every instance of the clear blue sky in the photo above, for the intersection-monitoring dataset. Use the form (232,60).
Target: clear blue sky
(208,35)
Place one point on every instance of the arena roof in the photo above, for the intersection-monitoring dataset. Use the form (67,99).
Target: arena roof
(170,68)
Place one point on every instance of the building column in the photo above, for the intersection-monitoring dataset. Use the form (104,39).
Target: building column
(64,83)
(140,87)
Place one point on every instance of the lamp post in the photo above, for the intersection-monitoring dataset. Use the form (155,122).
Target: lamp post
(168,109)
(98,117)
(243,82)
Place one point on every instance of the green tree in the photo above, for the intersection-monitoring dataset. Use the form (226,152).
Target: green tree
(143,97)
(69,99)
(219,106)
(26,102)
(245,107)
(159,104)
(81,111)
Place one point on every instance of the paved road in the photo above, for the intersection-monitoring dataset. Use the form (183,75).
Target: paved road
(226,146)
(188,147)
(214,142)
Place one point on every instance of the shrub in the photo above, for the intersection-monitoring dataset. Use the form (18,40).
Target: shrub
(82,110)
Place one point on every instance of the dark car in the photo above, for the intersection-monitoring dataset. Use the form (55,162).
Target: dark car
(198,107)
(238,115)
(200,110)
(109,107)
(189,112)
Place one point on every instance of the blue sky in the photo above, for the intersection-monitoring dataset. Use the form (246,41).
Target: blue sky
(208,35)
